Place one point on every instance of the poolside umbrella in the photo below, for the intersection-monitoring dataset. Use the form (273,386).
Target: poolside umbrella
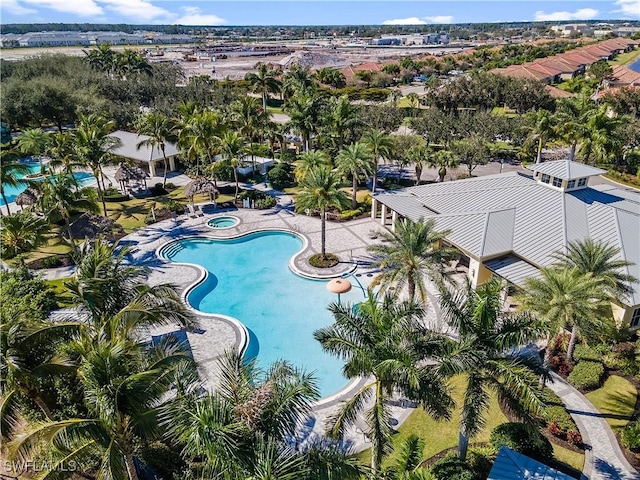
(90,226)
(339,285)
(29,197)
(199,185)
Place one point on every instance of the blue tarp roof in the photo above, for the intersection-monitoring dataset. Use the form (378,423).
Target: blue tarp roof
(510,465)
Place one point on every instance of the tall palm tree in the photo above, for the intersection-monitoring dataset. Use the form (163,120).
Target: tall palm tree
(199,135)
(22,232)
(60,199)
(442,160)
(381,146)
(602,136)
(380,340)
(541,129)
(564,298)
(264,81)
(304,111)
(60,147)
(493,336)
(572,115)
(33,142)
(310,160)
(161,130)
(320,190)
(94,147)
(299,80)
(602,261)
(101,58)
(341,118)
(356,162)
(411,251)
(11,171)
(231,146)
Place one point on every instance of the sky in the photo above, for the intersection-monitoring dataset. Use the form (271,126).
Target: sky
(311,12)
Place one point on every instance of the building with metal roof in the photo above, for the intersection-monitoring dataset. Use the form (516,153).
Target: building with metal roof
(511,224)
(511,465)
(131,146)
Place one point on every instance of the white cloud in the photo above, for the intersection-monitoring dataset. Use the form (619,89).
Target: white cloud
(440,19)
(13,7)
(193,16)
(405,21)
(419,21)
(580,14)
(629,8)
(138,11)
(83,8)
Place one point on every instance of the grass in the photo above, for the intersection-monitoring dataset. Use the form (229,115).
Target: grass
(62,294)
(274,110)
(616,400)
(439,435)
(568,457)
(625,58)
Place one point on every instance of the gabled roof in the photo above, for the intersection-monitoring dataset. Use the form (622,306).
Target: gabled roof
(566,169)
(624,76)
(555,92)
(512,214)
(129,147)
(511,465)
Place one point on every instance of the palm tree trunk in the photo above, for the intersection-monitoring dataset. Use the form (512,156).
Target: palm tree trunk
(6,204)
(264,101)
(539,157)
(572,152)
(131,468)
(235,175)
(463,445)
(377,447)
(164,157)
(418,174)
(572,343)
(441,174)
(323,233)
(354,194)
(374,182)
(411,285)
(71,240)
(98,174)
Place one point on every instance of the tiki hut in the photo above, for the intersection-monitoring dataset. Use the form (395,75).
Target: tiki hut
(200,185)
(29,197)
(90,226)
(125,174)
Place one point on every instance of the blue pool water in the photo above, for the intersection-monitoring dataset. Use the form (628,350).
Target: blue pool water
(635,66)
(249,279)
(12,192)
(223,222)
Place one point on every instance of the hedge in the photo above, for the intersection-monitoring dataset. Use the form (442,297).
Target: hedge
(451,467)
(630,437)
(518,437)
(583,352)
(587,375)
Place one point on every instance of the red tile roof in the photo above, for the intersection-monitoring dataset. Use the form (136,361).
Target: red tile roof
(624,76)
(555,92)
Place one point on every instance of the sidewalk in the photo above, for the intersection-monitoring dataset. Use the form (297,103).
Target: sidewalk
(603,458)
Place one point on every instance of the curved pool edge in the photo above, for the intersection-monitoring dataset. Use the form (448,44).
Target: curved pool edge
(323,402)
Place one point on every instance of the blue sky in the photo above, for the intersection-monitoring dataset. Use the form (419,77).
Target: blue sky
(310,12)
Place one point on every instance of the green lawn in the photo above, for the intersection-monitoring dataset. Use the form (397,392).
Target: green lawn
(62,293)
(625,58)
(616,399)
(568,457)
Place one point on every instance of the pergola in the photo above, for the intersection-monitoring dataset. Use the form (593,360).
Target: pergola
(126,174)
(200,185)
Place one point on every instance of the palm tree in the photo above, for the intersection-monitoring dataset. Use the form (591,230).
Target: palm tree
(60,199)
(355,161)
(307,161)
(199,135)
(161,130)
(242,429)
(94,147)
(304,111)
(320,190)
(22,232)
(264,82)
(124,387)
(11,171)
(541,130)
(564,298)
(381,146)
(232,145)
(476,316)
(341,118)
(60,147)
(380,340)
(101,58)
(299,80)
(413,249)
(33,142)
(442,160)
(602,136)
(572,115)
(418,155)
(602,261)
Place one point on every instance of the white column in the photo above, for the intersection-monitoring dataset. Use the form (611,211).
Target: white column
(383,218)
(394,219)
(172,163)
(152,168)
(374,207)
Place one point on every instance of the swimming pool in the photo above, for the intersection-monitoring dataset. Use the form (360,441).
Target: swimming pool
(225,221)
(12,192)
(249,279)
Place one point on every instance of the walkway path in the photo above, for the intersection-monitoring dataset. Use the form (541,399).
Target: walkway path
(603,458)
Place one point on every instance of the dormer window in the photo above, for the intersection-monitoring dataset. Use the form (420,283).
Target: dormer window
(545,178)
(571,184)
(557,182)
(582,182)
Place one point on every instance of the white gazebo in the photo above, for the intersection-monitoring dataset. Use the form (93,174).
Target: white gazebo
(146,155)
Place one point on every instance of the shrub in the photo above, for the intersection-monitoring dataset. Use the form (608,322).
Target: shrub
(148,220)
(350,214)
(265,202)
(280,176)
(564,369)
(170,186)
(630,437)
(162,459)
(558,415)
(452,468)
(317,261)
(574,437)
(481,460)
(157,190)
(111,191)
(583,352)
(175,206)
(587,375)
(51,262)
(554,429)
(522,439)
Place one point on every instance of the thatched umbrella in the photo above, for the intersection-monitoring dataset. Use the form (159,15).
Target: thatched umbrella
(90,225)
(29,197)
(126,174)
(200,185)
